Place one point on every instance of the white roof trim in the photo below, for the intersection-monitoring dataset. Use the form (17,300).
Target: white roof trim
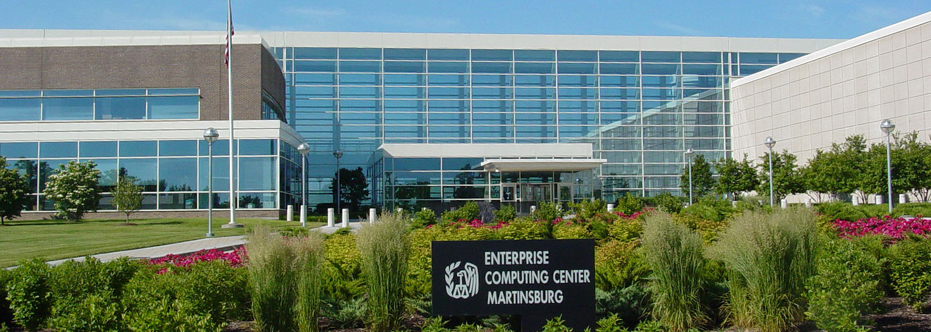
(548,150)
(541,165)
(884,32)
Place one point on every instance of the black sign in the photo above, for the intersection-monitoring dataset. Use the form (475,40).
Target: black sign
(536,279)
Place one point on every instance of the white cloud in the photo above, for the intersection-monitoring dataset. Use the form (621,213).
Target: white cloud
(315,13)
(679,29)
(812,9)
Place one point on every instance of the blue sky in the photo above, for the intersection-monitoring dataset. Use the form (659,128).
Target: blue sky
(773,18)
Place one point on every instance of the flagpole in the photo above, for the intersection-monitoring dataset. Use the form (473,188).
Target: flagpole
(229,73)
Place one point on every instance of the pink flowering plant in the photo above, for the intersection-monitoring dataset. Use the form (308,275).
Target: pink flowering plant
(234,258)
(895,228)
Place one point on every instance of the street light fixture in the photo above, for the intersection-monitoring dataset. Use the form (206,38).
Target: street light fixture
(688,154)
(770,142)
(210,135)
(303,149)
(887,127)
(338,154)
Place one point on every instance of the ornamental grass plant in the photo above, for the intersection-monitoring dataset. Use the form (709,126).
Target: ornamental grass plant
(309,271)
(384,249)
(768,258)
(674,253)
(272,279)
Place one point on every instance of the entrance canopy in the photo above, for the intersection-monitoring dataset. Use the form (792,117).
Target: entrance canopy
(556,157)
(530,165)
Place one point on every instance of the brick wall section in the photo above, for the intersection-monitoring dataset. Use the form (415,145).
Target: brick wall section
(169,66)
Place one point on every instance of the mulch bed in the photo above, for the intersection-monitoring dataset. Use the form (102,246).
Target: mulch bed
(898,317)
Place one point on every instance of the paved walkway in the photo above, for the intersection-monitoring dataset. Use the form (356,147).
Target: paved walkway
(190,247)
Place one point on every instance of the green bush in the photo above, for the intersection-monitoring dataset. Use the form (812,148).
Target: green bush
(467,212)
(6,315)
(29,292)
(524,229)
(666,202)
(568,230)
(506,213)
(840,210)
(556,324)
(423,218)
(847,285)
(710,208)
(769,258)
(912,209)
(624,229)
(628,304)
(200,297)
(587,209)
(628,204)
(87,294)
(910,270)
(610,323)
(384,248)
(618,265)
(548,212)
(674,253)
(434,324)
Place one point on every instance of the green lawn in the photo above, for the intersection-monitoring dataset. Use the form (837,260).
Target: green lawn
(53,240)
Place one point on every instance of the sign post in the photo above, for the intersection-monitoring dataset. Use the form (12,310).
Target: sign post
(535,279)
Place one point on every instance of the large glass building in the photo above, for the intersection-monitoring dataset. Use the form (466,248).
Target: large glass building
(431,119)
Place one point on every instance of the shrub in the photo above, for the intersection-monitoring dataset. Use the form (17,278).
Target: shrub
(710,208)
(629,204)
(547,211)
(618,265)
(840,210)
(87,294)
(423,218)
(666,202)
(910,270)
(341,252)
(523,229)
(628,304)
(6,315)
(29,292)
(74,189)
(625,229)
(675,256)
(912,209)
(769,258)
(506,213)
(309,269)
(556,324)
(384,249)
(434,324)
(610,324)
(467,211)
(846,286)
(569,230)
(588,209)
(272,280)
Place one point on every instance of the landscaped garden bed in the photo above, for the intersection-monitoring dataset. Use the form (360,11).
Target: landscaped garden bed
(707,267)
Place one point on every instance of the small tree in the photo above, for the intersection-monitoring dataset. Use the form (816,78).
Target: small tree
(786,180)
(127,196)
(14,192)
(735,176)
(74,189)
(702,178)
(353,188)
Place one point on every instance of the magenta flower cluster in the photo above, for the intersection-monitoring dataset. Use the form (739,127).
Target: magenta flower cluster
(234,258)
(895,228)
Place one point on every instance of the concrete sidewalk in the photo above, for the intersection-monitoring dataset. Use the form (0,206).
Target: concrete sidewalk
(190,247)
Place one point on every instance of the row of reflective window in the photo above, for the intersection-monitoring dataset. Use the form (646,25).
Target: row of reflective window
(363,109)
(499,93)
(658,81)
(511,68)
(77,105)
(530,55)
(166,148)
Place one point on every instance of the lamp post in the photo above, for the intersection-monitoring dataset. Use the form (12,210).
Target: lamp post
(210,135)
(770,142)
(338,154)
(303,149)
(887,127)
(688,154)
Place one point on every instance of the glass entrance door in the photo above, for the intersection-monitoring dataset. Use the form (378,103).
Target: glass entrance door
(510,192)
(537,192)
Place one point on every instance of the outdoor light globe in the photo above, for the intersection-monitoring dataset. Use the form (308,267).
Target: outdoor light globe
(303,149)
(338,154)
(769,142)
(887,126)
(211,135)
(689,152)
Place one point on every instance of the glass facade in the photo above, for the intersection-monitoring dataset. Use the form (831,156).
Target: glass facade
(172,173)
(639,109)
(103,104)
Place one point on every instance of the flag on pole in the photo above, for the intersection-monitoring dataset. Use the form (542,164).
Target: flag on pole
(229,33)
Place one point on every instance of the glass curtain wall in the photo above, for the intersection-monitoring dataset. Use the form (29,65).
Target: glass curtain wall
(640,109)
(172,173)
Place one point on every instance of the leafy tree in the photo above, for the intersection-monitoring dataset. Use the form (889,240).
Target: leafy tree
(353,188)
(74,189)
(14,192)
(735,176)
(127,196)
(786,180)
(910,166)
(702,178)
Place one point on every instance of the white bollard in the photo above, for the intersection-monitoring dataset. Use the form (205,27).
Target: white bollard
(400,211)
(610,207)
(290,216)
(879,200)
(784,203)
(330,217)
(855,200)
(372,213)
(303,216)
(345,218)
(533,208)
(903,198)
(807,201)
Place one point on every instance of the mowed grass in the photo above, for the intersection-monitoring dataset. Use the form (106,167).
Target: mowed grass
(54,239)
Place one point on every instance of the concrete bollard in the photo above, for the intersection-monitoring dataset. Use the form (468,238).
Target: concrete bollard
(783,203)
(345,218)
(400,211)
(879,200)
(610,207)
(807,201)
(533,208)
(855,200)
(290,216)
(303,216)
(372,213)
(330,217)
(903,198)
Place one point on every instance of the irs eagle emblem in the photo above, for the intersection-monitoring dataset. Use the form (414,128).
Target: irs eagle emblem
(462,284)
